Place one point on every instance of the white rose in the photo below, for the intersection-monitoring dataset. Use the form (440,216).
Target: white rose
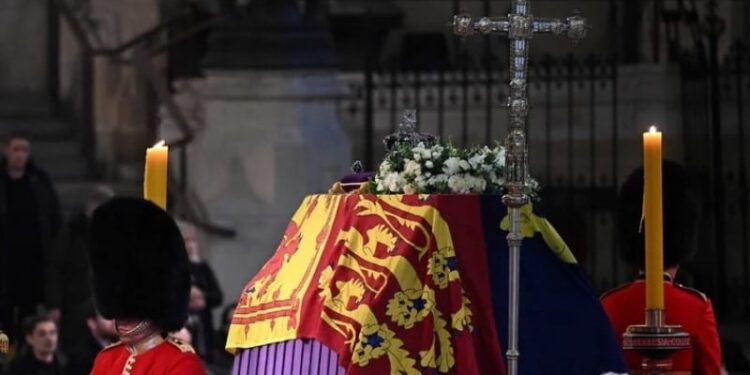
(426,154)
(457,184)
(412,168)
(394,187)
(393,181)
(471,182)
(385,181)
(429,164)
(451,166)
(409,189)
(477,161)
(487,167)
(464,165)
(417,156)
(434,180)
(480,185)
(385,167)
(500,157)
(436,150)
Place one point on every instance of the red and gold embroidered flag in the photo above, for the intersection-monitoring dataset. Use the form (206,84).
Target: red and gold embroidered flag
(393,284)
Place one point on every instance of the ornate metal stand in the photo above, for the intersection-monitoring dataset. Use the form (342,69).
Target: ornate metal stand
(656,342)
(520,27)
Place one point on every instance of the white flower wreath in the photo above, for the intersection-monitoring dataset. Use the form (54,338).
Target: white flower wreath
(444,169)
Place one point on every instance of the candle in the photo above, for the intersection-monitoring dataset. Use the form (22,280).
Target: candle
(155,175)
(652,207)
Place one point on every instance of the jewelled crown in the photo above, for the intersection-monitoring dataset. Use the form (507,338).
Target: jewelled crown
(407,134)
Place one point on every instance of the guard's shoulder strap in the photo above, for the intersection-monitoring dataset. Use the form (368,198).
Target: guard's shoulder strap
(181,345)
(692,291)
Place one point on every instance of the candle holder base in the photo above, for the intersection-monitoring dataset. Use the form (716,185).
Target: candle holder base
(656,344)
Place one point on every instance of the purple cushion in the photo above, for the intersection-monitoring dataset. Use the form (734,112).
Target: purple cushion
(354,181)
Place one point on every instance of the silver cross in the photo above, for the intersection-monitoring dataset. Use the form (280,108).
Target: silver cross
(520,27)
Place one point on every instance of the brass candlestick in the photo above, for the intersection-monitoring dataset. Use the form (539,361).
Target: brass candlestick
(656,342)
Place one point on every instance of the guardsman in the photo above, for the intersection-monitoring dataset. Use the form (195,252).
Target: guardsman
(142,282)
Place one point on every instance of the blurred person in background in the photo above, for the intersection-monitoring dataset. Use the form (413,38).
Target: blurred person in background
(205,295)
(68,288)
(183,335)
(194,324)
(224,360)
(29,220)
(41,356)
(101,333)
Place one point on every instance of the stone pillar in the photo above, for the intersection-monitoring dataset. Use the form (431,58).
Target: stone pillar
(270,133)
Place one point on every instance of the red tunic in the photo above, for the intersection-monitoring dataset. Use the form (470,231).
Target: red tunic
(683,306)
(171,357)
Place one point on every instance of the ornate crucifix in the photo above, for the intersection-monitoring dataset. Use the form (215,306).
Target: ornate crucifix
(520,27)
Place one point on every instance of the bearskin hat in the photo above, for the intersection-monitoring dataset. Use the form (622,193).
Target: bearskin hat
(139,264)
(681,206)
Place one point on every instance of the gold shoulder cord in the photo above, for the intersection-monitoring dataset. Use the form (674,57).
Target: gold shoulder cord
(183,346)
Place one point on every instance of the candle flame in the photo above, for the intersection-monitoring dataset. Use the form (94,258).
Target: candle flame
(652,129)
(159,144)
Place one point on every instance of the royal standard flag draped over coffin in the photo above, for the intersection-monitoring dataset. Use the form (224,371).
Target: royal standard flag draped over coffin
(413,284)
